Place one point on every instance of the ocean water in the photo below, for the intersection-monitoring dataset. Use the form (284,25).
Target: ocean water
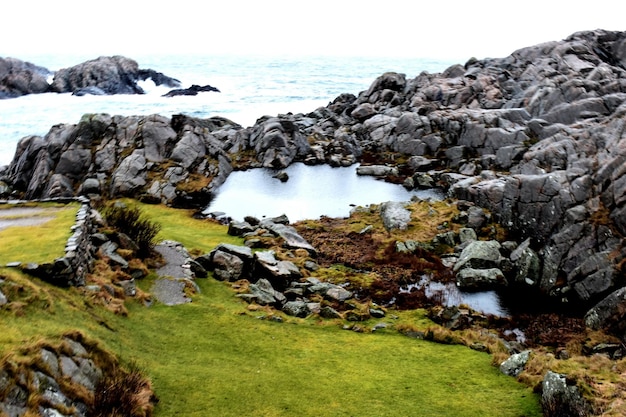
(250,87)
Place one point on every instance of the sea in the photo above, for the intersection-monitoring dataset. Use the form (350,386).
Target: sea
(250,87)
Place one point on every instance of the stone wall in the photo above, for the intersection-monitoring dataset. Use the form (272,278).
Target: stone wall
(72,268)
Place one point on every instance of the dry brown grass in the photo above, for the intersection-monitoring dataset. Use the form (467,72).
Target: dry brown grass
(21,363)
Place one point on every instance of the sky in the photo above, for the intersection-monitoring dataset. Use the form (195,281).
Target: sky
(431,29)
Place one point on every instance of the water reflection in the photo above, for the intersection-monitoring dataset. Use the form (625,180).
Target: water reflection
(310,192)
(486,302)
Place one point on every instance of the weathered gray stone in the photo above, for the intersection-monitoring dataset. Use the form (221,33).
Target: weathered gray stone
(479,254)
(291,238)
(527,264)
(480,279)
(263,293)
(394,215)
(278,273)
(376,170)
(515,364)
(609,314)
(296,309)
(561,398)
(227,267)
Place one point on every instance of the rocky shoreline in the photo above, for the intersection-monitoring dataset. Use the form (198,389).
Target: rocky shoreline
(534,138)
(106,75)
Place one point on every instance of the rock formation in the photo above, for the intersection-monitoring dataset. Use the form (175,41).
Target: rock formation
(101,76)
(111,75)
(18,78)
(534,139)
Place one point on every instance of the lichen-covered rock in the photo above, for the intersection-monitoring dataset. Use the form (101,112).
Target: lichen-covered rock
(515,364)
(560,398)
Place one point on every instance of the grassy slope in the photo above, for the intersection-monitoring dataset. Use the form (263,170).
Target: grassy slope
(42,243)
(215,357)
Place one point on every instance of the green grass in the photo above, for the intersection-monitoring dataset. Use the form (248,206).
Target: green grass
(216,357)
(179,225)
(39,243)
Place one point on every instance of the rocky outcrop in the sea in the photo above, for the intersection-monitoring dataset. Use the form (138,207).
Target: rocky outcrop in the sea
(191,91)
(101,76)
(18,78)
(107,75)
(534,138)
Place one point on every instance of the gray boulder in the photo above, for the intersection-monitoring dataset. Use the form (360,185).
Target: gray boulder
(228,262)
(130,175)
(480,279)
(560,398)
(376,170)
(609,314)
(279,273)
(291,238)
(263,293)
(515,364)
(394,215)
(479,254)
(296,309)
(527,264)
(18,78)
(277,142)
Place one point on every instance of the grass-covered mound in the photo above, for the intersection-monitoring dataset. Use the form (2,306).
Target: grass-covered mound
(219,356)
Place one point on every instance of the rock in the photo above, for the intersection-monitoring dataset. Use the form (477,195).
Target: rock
(3,299)
(282,176)
(609,314)
(338,293)
(394,215)
(191,91)
(480,279)
(236,228)
(130,289)
(227,266)
(278,273)
(296,309)
(377,170)
(515,364)
(18,78)
(277,142)
(467,234)
(197,269)
(329,313)
(479,255)
(89,91)
(291,238)
(363,111)
(263,293)
(110,75)
(560,398)
(527,264)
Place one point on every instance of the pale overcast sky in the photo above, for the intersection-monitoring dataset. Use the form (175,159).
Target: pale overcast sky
(424,29)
